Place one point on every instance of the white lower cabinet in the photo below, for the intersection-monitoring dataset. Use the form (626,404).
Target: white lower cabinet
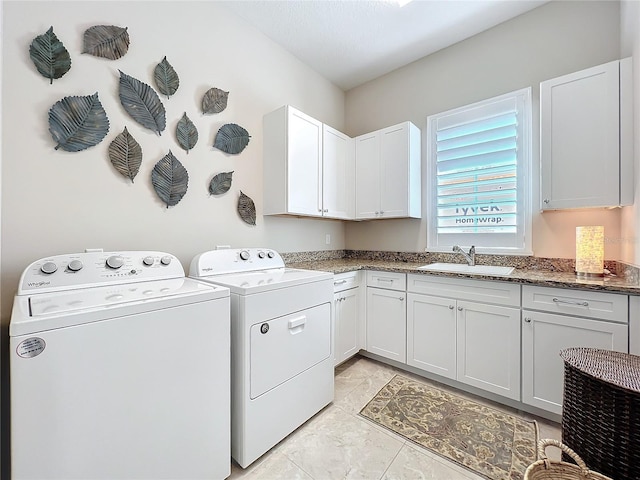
(348,328)
(493,335)
(386,315)
(431,334)
(489,348)
(469,341)
(550,323)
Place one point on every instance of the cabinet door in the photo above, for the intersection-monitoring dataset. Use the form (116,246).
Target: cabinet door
(304,176)
(347,335)
(338,174)
(386,324)
(394,171)
(489,348)
(368,176)
(579,122)
(431,334)
(543,336)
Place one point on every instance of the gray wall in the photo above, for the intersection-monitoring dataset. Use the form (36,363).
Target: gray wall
(552,40)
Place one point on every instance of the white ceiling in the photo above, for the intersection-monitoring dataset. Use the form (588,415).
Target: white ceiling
(351,42)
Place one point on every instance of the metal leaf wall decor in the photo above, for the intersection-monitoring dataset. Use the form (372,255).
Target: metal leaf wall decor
(142,103)
(214,100)
(77,123)
(125,154)
(166,78)
(231,138)
(186,133)
(107,41)
(170,179)
(221,183)
(246,209)
(49,55)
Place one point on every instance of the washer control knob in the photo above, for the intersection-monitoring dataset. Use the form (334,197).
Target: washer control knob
(115,261)
(147,261)
(166,260)
(48,267)
(75,265)
(244,255)
(261,254)
(271,254)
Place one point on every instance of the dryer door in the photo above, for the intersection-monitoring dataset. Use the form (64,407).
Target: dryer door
(286,346)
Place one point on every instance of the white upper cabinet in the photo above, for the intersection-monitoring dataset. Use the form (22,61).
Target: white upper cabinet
(338,174)
(308,167)
(388,173)
(586,135)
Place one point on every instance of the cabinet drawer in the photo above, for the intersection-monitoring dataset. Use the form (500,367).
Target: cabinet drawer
(388,280)
(485,291)
(600,305)
(345,281)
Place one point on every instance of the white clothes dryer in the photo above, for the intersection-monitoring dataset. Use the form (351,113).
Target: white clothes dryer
(281,344)
(119,370)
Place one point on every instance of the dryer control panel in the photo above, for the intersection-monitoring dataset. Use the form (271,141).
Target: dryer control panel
(234,260)
(92,269)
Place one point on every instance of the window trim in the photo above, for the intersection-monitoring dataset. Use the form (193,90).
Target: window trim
(524,177)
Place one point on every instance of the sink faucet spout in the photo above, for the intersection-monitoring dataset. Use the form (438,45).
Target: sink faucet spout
(469,257)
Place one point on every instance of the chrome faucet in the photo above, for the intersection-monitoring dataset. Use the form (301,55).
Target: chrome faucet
(469,257)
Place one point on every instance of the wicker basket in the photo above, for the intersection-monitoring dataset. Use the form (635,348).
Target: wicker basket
(546,469)
(601,410)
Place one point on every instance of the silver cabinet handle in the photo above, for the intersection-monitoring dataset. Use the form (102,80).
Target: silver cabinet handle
(527,319)
(339,282)
(546,200)
(450,307)
(459,309)
(401,299)
(571,302)
(390,280)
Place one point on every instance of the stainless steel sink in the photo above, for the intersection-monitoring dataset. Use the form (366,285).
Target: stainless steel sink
(463,268)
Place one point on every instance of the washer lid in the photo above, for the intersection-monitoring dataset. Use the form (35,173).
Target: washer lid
(46,311)
(248,283)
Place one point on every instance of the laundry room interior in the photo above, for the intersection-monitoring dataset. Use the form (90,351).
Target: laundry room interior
(56,202)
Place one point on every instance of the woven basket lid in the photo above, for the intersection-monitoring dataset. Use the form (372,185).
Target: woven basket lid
(617,368)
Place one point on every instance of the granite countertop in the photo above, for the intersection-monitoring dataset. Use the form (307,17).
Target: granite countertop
(526,276)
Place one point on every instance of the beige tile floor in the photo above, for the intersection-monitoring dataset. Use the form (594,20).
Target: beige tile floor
(339,444)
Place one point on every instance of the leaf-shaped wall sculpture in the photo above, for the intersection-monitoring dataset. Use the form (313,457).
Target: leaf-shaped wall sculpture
(77,123)
(214,100)
(142,103)
(170,179)
(107,41)
(246,209)
(231,138)
(166,78)
(221,183)
(187,133)
(125,154)
(49,55)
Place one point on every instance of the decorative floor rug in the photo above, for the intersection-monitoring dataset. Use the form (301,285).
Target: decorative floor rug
(488,442)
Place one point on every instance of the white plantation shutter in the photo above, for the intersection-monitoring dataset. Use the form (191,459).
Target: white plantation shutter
(479,175)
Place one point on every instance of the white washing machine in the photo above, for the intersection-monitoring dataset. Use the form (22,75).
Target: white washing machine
(119,370)
(281,344)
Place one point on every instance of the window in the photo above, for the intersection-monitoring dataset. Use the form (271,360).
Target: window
(479,176)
